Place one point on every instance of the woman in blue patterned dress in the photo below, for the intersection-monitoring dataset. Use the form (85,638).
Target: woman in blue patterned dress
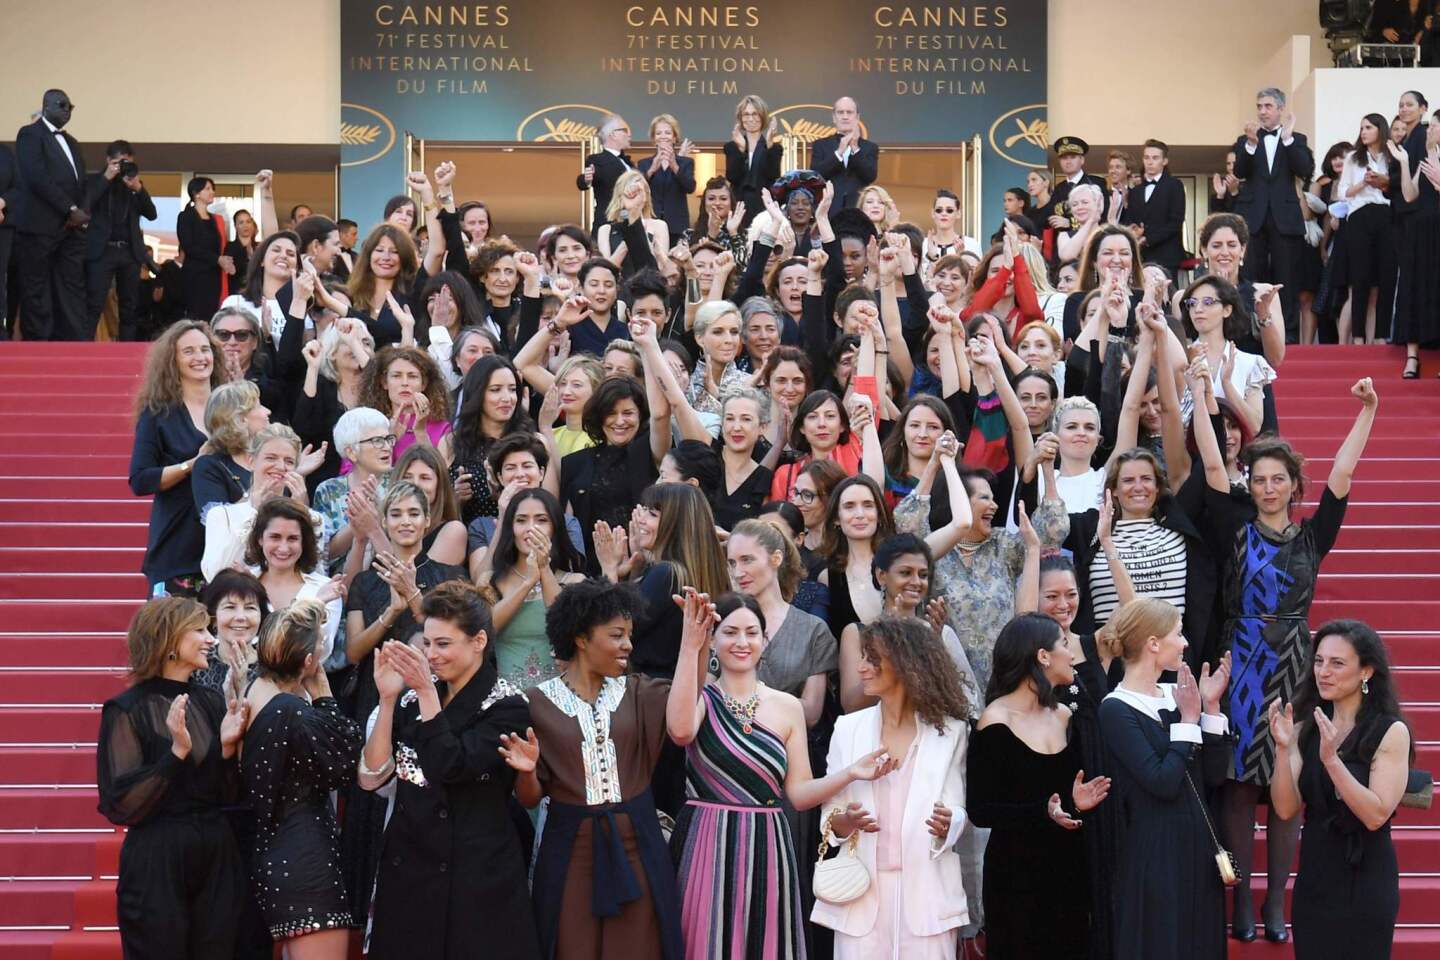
(746,745)
(1270,567)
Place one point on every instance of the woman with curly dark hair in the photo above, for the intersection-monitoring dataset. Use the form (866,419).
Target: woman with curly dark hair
(1343,750)
(603,875)
(1025,784)
(405,384)
(915,902)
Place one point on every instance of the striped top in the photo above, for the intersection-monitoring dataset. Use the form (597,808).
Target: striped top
(1155,558)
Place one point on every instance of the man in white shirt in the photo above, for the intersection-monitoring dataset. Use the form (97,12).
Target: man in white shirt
(604,168)
(51,225)
(1269,157)
(845,158)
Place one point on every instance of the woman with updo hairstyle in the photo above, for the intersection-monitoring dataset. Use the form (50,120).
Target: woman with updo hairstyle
(1343,753)
(744,483)
(404,384)
(1025,782)
(1270,564)
(452,871)
(1163,754)
(297,749)
(233,415)
(910,818)
(604,881)
(207,275)
(165,766)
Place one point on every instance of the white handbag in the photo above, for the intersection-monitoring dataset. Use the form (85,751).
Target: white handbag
(843,877)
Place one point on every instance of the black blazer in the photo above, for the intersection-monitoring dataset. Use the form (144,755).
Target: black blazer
(608,169)
(9,188)
(1162,218)
(50,185)
(670,193)
(850,179)
(1270,191)
(1061,194)
(97,204)
(749,175)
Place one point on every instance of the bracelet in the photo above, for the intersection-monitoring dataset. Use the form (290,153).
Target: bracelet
(882,353)
(432,207)
(412,596)
(552,328)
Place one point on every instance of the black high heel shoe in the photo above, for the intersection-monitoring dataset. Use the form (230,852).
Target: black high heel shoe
(1245,934)
(1409,372)
(1275,936)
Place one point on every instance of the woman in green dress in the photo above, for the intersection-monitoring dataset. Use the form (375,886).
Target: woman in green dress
(530,560)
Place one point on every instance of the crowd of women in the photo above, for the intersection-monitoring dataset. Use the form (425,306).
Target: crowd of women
(811,586)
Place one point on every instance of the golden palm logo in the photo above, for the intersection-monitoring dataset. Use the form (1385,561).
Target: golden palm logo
(358,134)
(1022,135)
(567,131)
(366,134)
(563,123)
(804,128)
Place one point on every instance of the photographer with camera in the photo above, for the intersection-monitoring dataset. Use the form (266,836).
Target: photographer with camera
(115,247)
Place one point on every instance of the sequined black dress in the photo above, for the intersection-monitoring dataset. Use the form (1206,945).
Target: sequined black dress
(294,754)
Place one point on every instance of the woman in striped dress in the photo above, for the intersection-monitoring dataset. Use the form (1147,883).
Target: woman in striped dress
(745,744)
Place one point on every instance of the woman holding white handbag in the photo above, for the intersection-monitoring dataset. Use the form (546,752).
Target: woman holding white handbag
(902,829)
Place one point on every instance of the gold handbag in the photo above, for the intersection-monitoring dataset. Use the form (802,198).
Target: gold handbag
(843,877)
(1224,859)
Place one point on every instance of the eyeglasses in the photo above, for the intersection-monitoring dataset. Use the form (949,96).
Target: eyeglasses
(805,497)
(239,336)
(1193,302)
(381,443)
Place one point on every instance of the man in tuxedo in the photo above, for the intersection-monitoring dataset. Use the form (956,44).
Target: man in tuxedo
(1070,155)
(846,159)
(116,200)
(604,168)
(1155,209)
(9,206)
(1269,157)
(51,224)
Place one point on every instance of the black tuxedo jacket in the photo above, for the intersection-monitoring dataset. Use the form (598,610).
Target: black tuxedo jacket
(1269,191)
(670,193)
(848,179)
(50,185)
(749,175)
(97,204)
(608,169)
(1162,219)
(9,188)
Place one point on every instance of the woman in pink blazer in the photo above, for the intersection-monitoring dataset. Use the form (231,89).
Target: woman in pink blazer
(908,820)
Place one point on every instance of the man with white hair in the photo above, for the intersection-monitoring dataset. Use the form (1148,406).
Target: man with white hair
(1269,158)
(604,168)
(846,159)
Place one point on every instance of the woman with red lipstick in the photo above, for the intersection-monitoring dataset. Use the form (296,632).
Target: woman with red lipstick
(1270,564)
(491,410)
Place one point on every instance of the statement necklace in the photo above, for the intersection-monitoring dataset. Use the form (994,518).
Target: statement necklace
(742,711)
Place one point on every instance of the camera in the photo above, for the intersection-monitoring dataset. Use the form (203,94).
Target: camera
(128,169)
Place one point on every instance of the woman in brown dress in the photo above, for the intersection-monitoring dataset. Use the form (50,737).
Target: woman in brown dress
(604,883)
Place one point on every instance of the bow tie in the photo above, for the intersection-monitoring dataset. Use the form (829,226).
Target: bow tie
(1151,183)
(1269,133)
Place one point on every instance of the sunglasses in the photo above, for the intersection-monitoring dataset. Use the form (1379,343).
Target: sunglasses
(1192,302)
(239,336)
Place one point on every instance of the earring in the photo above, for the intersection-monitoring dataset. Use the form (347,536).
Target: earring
(170,656)
(1364,685)
(714,665)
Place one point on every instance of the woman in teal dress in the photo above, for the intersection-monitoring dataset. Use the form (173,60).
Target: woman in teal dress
(746,745)
(530,560)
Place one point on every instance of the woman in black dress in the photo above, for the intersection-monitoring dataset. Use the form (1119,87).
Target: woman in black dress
(298,748)
(165,768)
(452,873)
(1163,752)
(247,238)
(1025,782)
(1347,762)
(207,274)
(1417,295)
(752,157)
(491,410)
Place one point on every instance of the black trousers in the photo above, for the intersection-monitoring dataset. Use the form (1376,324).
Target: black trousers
(1371,264)
(52,285)
(181,889)
(115,264)
(1274,257)
(7,241)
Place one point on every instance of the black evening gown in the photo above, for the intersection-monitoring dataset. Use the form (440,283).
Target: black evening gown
(182,879)
(1347,891)
(452,876)
(1169,901)
(1103,827)
(1417,295)
(1033,866)
(200,275)
(294,754)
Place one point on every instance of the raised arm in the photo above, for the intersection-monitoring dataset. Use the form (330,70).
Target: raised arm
(685,708)
(1349,453)
(1217,478)
(643,333)
(945,539)
(269,220)
(435,252)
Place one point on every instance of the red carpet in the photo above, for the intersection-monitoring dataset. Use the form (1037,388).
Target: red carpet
(71,538)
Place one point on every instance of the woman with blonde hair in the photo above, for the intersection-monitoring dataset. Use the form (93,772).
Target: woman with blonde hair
(879,209)
(164,761)
(717,332)
(333,384)
(1166,744)
(631,203)
(752,156)
(181,369)
(573,382)
(671,172)
(233,415)
(298,748)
